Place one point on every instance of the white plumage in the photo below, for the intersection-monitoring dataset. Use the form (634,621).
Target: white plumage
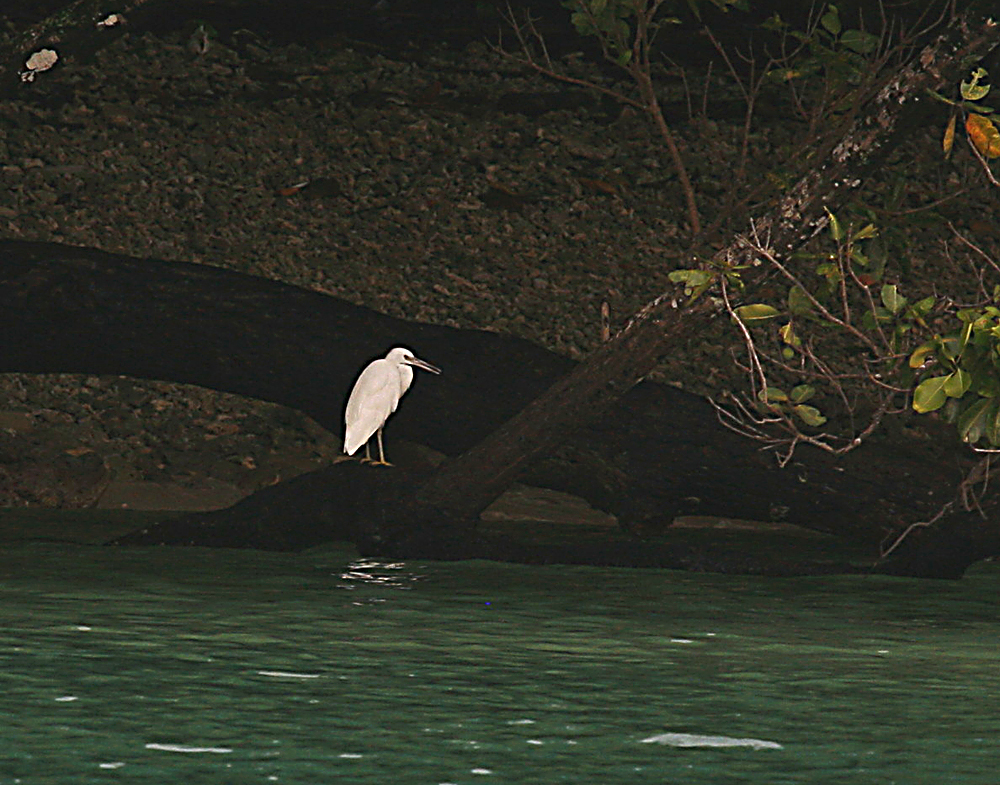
(376,395)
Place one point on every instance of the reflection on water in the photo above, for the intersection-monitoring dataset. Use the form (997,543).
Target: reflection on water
(376,573)
(158,665)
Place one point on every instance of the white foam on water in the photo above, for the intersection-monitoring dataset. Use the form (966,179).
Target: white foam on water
(696,740)
(185,748)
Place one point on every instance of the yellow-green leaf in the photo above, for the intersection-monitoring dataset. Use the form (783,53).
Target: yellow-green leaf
(971,88)
(757,312)
(772,395)
(922,353)
(836,230)
(802,393)
(964,338)
(787,333)
(892,299)
(949,136)
(694,281)
(957,383)
(810,415)
(930,395)
(690,277)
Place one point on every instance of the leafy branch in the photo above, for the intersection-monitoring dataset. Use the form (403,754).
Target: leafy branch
(834,308)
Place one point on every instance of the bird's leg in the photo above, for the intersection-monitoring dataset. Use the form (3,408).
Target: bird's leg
(368,454)
(381,454)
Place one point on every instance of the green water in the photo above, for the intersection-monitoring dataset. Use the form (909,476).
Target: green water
(197,666)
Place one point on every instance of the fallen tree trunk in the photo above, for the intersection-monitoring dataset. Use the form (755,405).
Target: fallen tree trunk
(657,453)
(332,502)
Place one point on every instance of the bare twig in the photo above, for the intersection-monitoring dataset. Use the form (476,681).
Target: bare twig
(757,375)
(771,258)
(971,491)
(886,551)
(973,247)
(547,68)
(639,69)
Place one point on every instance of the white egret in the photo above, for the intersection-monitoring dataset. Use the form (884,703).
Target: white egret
(376,395)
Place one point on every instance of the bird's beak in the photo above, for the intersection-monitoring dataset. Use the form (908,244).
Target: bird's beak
(416,362)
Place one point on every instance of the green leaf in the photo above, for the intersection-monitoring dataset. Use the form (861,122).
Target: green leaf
(691,279)
(923,307)
(829,270)
(774,23)
(756,312)
(810,415)
(930,395)
(950,347)
(582,23)
(798,301)
(802,393)
(882,314)
(993,423)
(957,383)
(859,41)
(878,255)
(974,421)
(892,299)
(831,20)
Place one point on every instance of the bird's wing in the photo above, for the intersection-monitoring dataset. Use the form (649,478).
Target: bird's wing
(372,400)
